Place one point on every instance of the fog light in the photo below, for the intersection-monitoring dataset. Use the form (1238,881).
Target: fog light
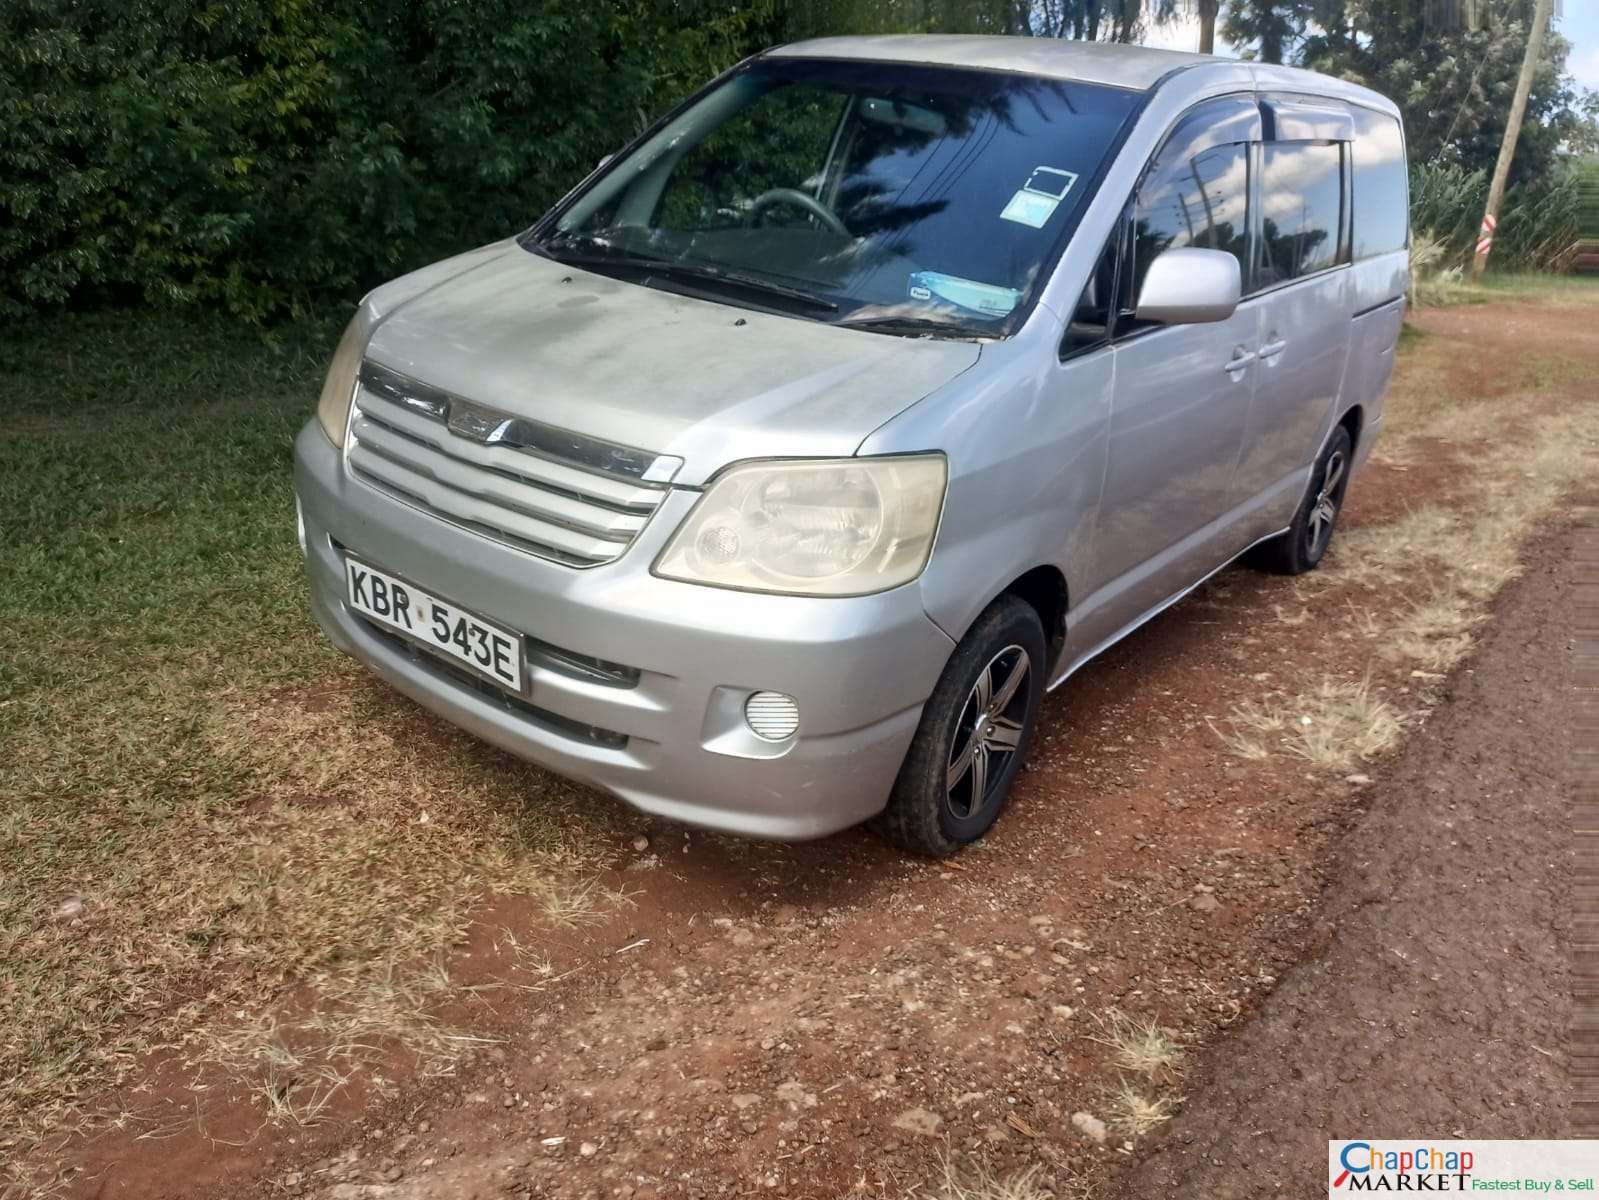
(772,715)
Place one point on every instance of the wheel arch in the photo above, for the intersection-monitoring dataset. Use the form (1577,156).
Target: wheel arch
(1354,420)
(1044,589)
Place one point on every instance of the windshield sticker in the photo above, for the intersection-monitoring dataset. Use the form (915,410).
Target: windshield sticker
(1037,199)
(975,297)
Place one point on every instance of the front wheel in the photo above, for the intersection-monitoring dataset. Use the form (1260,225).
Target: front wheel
(973,734)
(1304,544)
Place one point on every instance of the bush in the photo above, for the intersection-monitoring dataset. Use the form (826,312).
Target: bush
(1538,223)
(265,154)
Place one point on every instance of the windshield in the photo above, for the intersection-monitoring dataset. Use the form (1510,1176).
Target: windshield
(912,198)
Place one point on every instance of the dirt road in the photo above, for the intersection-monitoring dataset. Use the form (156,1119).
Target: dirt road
(831,1019)
(1435,1000)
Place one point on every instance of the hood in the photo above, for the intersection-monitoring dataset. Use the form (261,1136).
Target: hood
(707,382)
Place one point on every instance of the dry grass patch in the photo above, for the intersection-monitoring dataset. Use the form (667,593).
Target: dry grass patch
(582,902)
(1470,546)
(1388,555)
(1472,550)
(1446,288)
(1432,572)
(1293,620)
(1472,421)
(1141,1046)
(1425,405)
(1332,726)
(977,1181)
(1146,1058)
(1133,1112)
(297,1065)
(1435,634)
(530,962)
(334,837)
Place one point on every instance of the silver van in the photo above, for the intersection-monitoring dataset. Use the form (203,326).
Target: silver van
(770,480)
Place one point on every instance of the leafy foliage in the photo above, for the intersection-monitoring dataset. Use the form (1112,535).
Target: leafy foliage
(1091,20)
(1450,65)
(1539,225)
(1454,85)
(1271,30)
(1586,182)
(263,156)
(263,153)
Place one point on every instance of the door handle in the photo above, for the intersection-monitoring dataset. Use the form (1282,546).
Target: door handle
(1272,349)
(1241,358)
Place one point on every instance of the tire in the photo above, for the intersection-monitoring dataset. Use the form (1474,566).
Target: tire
(926,813)
(1305,543)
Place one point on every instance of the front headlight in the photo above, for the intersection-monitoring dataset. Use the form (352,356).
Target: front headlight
(819,527)
(338,389)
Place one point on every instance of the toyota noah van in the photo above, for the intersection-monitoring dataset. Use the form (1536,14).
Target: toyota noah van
(770,480)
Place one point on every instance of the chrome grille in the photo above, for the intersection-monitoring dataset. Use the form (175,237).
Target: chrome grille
(559,495)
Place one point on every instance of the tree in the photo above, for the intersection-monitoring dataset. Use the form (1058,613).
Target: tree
(1208,11)
(266,155)
(1453,76)
(1079,20)
(1270,30)
(1583,140)
(1518,114)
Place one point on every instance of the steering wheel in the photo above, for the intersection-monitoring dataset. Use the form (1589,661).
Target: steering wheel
(794,196)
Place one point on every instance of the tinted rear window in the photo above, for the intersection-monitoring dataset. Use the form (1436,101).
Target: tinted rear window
(1382,185)
(1301,201)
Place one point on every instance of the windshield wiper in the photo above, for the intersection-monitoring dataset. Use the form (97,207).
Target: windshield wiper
(914,327)
(754,282)
(672,268)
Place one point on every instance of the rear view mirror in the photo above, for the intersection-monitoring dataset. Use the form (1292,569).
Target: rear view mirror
(1189,286)
(900,115)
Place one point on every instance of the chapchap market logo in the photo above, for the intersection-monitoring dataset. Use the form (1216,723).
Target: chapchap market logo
(1362,1167)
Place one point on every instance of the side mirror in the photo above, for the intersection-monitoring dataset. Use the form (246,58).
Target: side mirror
(1189,286)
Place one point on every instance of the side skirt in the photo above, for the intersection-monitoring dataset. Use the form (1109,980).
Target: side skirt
(1083,660)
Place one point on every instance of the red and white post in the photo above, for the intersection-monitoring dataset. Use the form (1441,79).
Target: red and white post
(1485,239)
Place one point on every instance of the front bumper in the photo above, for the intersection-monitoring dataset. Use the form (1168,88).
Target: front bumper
(665,732)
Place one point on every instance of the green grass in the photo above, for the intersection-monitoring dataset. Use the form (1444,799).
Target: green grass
(1448,290)
(1526,285)
(66,368)
(235,805)
(144,507)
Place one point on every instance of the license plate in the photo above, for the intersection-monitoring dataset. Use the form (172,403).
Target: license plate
(494,653)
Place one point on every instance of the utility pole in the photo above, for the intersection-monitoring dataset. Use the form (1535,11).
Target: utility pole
(1507,149)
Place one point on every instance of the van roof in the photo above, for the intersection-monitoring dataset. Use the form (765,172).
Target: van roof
(1136,67)
(1092,62)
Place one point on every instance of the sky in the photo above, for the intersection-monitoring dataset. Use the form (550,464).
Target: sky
(1577,21)
(1580,26)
